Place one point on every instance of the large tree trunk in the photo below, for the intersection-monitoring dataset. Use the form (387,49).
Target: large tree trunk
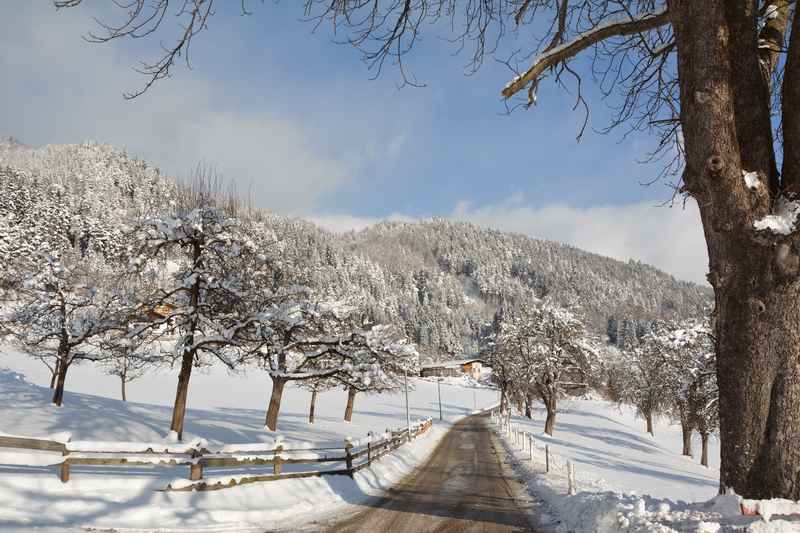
(351,400)
(123,378)
(550,421)
(312,407)
(181,395)
(704,453)
(189,352)
(275,403)
(726,128)
(528,406)
(53,374)
(58,392)
(686,430)
(503,399)
(648,417)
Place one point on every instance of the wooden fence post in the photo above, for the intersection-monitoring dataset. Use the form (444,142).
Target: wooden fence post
(348,448)
(547,458)
(196,471)
(277,461)
(196,468)
(571,478)
(64,474)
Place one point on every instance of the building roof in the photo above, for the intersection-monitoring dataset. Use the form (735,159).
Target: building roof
(455,363)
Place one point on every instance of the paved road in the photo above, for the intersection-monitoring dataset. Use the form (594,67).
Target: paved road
(462,487)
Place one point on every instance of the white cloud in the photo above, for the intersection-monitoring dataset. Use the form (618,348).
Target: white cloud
(669,238)
(59,89)
(342,222)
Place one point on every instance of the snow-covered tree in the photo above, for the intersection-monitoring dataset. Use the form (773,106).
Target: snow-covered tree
(217,275)
(547,353)
(64,304)
(304,340)
(316,386)
(647,383)
(128,356)
(687,346)
(706,401)
(387,358)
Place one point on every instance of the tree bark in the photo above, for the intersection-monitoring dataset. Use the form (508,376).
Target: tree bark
(53,374)
(181,395)
(649,420)
(686,430)
(189,352)
(704,453)
(550,421)
(790,112)
(312,407)
(528,406)
(123,378)
(275,403)
(351,399)
(726,127)
(58,392)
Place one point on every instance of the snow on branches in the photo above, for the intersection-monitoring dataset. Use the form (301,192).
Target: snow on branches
(211,301)
(543,352)
(671,370)
(311,341)
(63,304)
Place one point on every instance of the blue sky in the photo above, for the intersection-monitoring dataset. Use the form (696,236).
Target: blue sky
(296,120)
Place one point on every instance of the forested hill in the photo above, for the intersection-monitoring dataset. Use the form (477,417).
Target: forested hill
(444,280)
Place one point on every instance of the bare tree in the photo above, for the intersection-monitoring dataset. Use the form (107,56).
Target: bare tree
(707,78)
(646,383)
(316,386)
(544,349)
(309,341)
(208,302)
(60,309)
(129,357)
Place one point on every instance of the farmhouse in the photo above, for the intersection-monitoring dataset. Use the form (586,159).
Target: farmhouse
(471,367)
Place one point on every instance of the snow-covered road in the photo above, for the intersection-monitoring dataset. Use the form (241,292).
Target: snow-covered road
(462,487)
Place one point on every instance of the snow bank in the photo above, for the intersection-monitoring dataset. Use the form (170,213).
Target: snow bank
(165,446)
(598,505)
(231,411)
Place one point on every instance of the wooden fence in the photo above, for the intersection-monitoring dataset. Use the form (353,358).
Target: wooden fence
(351,457)
(519,437)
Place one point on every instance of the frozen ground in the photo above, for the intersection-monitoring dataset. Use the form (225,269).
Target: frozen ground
(223,409)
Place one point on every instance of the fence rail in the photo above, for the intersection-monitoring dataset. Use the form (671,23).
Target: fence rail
(352,455)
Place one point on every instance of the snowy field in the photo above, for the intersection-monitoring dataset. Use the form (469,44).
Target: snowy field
(222,409)
(627,481)
(609,446)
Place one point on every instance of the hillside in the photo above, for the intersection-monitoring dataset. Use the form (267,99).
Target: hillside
(443,280)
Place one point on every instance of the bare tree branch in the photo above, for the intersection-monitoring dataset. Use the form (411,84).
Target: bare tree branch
(560,54)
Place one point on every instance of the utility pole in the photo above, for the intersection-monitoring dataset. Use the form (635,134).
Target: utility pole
(439,386)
